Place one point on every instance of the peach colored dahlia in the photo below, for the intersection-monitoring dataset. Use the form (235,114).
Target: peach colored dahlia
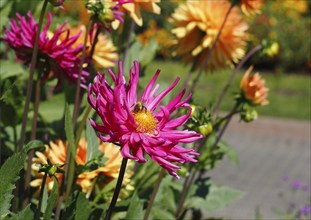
(251,7)
(56,153)
(105,53)
(196,25)
(133,7)
(142,125)
(253,88)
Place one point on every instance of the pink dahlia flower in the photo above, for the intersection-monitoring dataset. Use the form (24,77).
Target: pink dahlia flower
(55,57)
(142,125)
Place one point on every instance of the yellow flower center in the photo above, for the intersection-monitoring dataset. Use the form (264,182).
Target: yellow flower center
(144,119)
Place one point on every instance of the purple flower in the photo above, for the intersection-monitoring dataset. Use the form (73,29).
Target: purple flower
(305,210)
(296,184)
(56,57)
(142,125)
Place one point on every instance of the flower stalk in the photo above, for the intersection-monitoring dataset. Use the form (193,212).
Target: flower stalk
(32,137)
(210,52)
(31,74)
(117,189)
(236,70)
(77,94)
(154,193)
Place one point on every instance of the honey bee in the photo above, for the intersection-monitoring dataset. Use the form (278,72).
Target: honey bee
(139,106)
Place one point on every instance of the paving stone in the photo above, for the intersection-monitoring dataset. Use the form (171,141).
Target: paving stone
(268,149)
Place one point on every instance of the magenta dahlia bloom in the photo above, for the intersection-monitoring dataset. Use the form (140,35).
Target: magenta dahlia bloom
(55,57)
(142,125)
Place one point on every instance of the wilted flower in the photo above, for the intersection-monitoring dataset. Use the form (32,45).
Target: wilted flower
(55,57)
(56,153)
(197,24)
(133,7)
(253,88)
(251,7)
(105,53)
(142,125)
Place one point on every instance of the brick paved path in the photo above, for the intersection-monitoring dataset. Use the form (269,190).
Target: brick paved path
(268,149)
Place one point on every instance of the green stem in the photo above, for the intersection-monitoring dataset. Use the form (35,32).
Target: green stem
(77,95)
(38,211)
(154,193)
(210,52)
(186,187)
(222,131)
(117,189)
(83,122)
(32,137)
(31,73)
(235,71)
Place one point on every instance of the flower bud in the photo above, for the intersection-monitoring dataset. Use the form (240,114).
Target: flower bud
(206,129)
(249,115)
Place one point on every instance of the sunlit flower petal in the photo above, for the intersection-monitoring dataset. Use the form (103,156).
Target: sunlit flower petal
(196,25)
(141,125)
(56,57)
(253,88)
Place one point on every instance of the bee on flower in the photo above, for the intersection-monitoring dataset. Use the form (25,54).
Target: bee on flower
(142,125)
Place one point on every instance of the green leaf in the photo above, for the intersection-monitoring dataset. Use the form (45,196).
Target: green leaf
(52,200)
(148,52)
(53,109)
(26,213)
(69,131)
(229,151)
(159,213)
(10,68)
(45,198)
(131,55)
(219,197)
(83,208)
(9,174)
(92,143)
(135,210)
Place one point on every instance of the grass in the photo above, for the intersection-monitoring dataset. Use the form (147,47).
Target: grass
(289,94)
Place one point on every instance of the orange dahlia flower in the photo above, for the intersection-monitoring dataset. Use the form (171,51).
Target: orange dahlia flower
(253,88)
(105,53)
(251,7)
(56,153)
(196,25)
(133,9)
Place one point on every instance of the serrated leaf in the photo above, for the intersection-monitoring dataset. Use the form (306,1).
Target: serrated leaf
(52,200)
(92,143)
(9,174)
(219,197)
(83,208)
(26,213)
(135,210)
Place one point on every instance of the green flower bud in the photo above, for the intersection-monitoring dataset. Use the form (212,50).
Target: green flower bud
(249,115)
(53,169)
(206,129)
